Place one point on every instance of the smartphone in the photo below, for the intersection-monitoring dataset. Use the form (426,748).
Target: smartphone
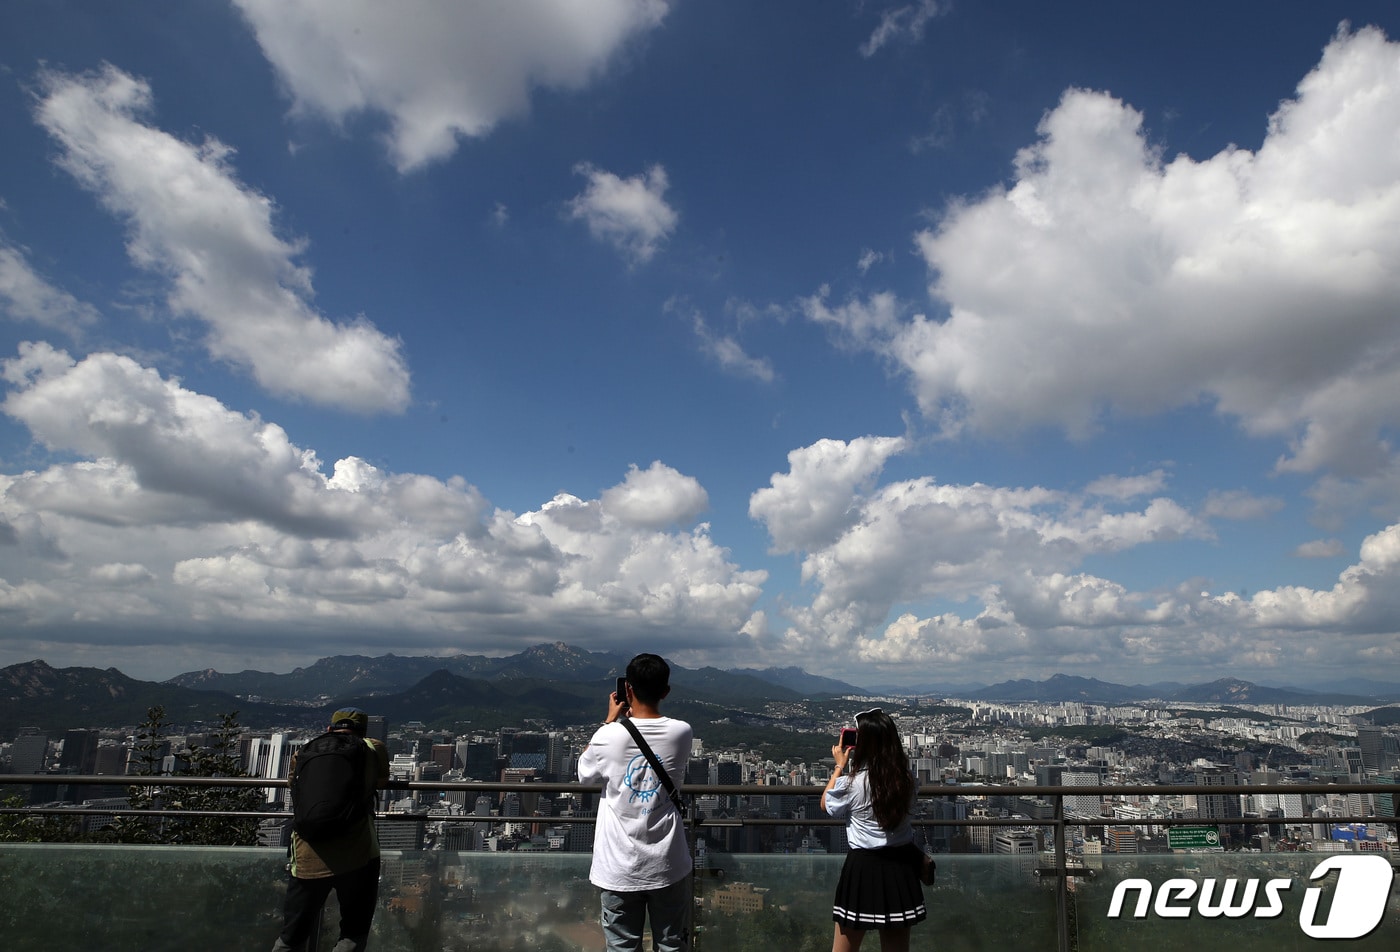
(848,736)
(620,692)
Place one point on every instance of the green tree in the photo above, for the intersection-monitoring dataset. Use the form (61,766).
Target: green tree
(147,756)
(33,828)
(219,758)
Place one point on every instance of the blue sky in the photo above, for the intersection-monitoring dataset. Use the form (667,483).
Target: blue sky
(907,342)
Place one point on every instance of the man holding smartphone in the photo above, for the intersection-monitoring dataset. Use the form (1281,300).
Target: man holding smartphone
(641,860)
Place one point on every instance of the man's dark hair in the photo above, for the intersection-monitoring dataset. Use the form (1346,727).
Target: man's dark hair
(650,678)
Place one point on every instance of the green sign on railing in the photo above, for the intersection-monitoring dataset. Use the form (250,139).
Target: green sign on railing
(1193,837)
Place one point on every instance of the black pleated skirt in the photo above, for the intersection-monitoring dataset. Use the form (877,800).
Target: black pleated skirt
(880,889)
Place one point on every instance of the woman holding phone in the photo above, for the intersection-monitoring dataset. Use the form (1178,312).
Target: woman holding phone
(874,791)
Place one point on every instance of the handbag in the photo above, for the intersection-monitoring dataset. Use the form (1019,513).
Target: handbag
(924,866)
(646,750)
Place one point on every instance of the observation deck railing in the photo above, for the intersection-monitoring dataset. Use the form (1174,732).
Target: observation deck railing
(127,896)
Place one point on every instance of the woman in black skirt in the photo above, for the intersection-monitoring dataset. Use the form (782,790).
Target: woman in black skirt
(874,791)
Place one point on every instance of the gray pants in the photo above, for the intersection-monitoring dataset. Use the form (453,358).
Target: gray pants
(668,909)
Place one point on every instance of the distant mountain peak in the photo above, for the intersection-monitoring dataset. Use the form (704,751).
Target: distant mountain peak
(796,679)
(37,664)
(556,653)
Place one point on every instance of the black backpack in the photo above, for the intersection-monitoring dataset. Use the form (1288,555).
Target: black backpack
(329,786)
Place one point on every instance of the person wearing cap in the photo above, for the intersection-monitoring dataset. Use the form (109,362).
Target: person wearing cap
(347,862)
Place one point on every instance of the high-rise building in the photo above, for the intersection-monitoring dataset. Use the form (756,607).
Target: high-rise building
(1213,806)
(525,802)
(1015,842)
(29,754)
(529,749)
(1385,802)
(1352,756)
(79,752)
(444,755)
(559,763)
(271,758)
(581,834)
(403,767)
(109,759)
(480,762)
(400,834)
(1120,839)
(1088,805)
(1371,742)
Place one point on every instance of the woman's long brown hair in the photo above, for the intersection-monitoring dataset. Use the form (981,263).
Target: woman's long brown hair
(880,753)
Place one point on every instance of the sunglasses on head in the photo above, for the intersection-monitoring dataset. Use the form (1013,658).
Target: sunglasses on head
(873,710)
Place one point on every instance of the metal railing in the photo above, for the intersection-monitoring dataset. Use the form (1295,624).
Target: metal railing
(1058,823)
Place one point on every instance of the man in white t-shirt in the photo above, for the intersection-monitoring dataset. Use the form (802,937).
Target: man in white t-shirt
(641,860)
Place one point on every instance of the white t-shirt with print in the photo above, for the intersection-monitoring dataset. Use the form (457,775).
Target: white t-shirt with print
(640,838)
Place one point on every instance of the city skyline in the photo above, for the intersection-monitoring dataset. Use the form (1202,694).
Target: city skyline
(895,341)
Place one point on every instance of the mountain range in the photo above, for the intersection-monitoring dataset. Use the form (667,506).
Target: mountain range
(1061,688)
(558,683)
(344,675)
(550,682)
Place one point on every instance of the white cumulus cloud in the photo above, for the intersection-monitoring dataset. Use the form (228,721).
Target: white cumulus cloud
(630,214)
(439,70)
(655,497)
(1264,281)
(1042,620)
(177,517)
(1107,278)
(813,502)
(870,548)
(213,239)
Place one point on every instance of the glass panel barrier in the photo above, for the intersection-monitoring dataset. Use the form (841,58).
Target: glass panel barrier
(483,902)
(176,898)
(762,902)
(1246,902)
(158,898)
(58,896)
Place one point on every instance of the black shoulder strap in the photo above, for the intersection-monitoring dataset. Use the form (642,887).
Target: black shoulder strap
(655,763)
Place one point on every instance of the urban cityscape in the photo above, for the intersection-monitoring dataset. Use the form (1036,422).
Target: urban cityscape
(1003,744)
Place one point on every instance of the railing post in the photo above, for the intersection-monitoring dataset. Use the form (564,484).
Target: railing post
(693,823)
(1061,875)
